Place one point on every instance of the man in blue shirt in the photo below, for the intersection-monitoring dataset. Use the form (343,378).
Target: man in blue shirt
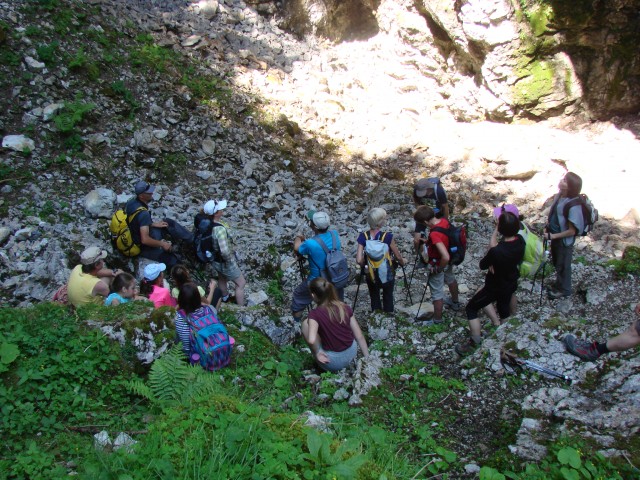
(319,223)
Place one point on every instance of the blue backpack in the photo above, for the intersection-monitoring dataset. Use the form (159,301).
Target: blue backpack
(209,338)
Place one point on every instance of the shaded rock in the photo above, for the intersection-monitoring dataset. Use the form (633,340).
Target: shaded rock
(100,203)
(19,143)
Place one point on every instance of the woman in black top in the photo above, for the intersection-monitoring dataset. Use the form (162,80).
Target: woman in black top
(502,262)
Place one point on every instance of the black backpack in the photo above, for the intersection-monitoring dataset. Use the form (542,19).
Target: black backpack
(457,235)
(589,212)
(206,247)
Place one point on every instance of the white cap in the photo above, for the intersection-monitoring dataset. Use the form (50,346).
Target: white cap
(213,206)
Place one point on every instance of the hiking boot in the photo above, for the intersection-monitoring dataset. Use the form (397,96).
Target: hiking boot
(580,348)
(429,323)
(455,306)
(555,294)
(466,348)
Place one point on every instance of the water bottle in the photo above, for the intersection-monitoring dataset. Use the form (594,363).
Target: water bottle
(195,358)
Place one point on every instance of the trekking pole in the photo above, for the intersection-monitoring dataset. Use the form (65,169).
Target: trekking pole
(406,284)
(301,266)
(415,264)
(510,363)
(424,292)
(353,307)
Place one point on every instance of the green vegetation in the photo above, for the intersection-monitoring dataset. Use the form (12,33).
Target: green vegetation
(118,88)
(565,463)
(629,264)
(537,81)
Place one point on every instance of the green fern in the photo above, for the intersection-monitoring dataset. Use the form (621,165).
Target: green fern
(172,381)
(139,388)
(71,115)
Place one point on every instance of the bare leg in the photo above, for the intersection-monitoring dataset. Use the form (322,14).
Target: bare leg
(490,312)
(626,340)
(240,283)
(474,327)
(437,310)
(453,290)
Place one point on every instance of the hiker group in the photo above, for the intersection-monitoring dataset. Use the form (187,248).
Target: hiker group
(330,329)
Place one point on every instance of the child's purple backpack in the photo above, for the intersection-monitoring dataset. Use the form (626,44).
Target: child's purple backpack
(209,338)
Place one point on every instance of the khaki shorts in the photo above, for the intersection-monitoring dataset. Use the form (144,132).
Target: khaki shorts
(436,286)
(228,270)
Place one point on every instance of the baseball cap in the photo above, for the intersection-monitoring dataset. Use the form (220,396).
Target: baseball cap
(505,208)
(92,255)
(319,219)
(422,186)
(153,271)
(144,187)
(213,206)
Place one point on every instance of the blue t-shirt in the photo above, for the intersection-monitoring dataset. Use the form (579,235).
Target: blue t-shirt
(141,219)
(317,257)
(117,296)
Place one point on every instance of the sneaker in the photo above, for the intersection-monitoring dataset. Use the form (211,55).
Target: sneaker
(580,348)
(455,306)
(466,348)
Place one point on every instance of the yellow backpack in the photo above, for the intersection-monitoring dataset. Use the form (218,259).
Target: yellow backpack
(121,234)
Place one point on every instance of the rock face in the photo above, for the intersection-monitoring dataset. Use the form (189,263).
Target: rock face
(499,59)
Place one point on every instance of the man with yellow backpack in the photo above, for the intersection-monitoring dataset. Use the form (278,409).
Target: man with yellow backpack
(135,233)
(375,249)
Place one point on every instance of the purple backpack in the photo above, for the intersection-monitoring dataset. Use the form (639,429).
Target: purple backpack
(209,338)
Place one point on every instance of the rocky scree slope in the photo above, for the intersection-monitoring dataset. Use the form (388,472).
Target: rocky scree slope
(106,103)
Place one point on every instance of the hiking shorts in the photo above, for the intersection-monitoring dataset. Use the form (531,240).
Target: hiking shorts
(436,286)
(228,270)
(449,276)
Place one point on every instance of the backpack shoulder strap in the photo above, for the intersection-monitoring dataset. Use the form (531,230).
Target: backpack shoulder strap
(320,242)
(571,203)
(129,218)
(334,240)
(441,230)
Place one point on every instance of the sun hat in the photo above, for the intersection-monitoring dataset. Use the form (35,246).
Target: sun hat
(505,208)
(153,271)
(319,219)
(213,206)
(92,255)
(422,186)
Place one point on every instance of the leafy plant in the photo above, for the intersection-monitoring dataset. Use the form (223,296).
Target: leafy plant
(48,52)
(173,380)
(71,115)
(119,88)
(630,262)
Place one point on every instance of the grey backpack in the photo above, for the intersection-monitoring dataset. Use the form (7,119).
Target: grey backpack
(336,267)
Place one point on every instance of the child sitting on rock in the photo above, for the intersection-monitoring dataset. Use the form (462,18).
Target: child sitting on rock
(123,290)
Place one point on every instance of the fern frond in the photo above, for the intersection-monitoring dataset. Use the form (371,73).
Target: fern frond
(139,388)
(170,376)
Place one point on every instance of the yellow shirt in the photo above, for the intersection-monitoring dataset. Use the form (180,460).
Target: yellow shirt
(80,288)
